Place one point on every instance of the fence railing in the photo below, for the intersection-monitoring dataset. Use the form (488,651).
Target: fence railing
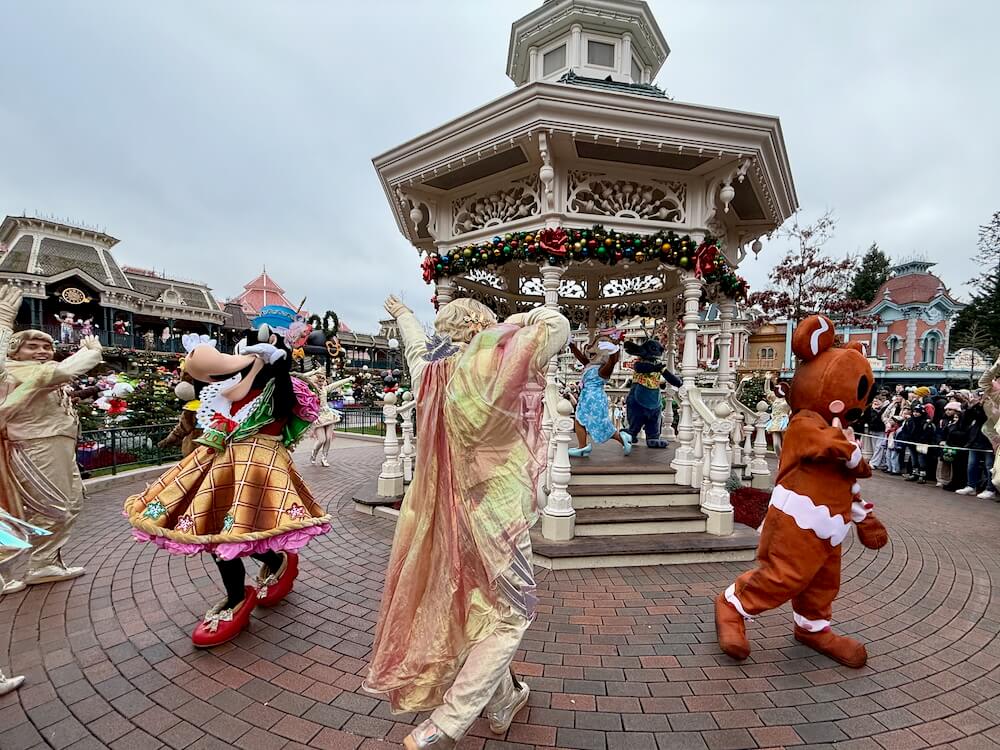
(108,338)
(112,449)
(364,420)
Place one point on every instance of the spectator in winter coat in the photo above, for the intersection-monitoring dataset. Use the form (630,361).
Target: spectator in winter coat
(953,467)
(981,452)
(920,433)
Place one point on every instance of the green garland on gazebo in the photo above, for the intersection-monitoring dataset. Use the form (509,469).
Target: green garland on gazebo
(560,246)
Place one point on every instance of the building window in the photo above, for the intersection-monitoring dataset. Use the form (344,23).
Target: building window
(600,54)
(554,60)
(636,71)
(895,348)
(930,347)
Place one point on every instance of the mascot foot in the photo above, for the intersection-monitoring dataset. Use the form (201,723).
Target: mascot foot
(222,624)
(273,587)
(580,452)
(626,443)
(657,444)
(840,648)
(731,629)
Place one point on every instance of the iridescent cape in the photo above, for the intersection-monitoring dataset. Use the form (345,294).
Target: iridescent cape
(479,455)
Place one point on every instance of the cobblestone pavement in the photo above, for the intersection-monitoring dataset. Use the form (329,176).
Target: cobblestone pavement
(617,658)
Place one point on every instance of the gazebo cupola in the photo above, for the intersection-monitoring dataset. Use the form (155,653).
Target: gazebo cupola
(616,41)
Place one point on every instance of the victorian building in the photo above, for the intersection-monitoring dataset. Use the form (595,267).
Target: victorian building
(74,285)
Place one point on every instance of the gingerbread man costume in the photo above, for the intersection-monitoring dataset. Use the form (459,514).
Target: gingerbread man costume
(814,501)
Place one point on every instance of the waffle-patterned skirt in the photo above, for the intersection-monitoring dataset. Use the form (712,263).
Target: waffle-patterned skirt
(248,499)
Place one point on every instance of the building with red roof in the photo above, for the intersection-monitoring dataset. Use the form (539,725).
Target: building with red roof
(262,291)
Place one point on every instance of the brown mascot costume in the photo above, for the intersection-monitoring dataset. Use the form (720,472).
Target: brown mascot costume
(814,501)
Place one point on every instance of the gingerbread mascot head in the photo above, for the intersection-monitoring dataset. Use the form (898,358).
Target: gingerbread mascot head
(835,382)
(815,501)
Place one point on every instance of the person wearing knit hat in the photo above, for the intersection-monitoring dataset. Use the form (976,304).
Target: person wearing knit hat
(923,391)
(953,406)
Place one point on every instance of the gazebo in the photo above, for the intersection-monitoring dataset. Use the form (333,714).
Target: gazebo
(587,188)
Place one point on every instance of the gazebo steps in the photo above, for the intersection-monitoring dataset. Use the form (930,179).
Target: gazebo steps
(643,549)
(607,466)
(625,496)
(618,522)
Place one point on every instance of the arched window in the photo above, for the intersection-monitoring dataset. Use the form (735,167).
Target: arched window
(929,347)
(895,347)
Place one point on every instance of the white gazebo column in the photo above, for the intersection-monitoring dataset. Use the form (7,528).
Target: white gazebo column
(727,311)
(667,430)
(684,458)
(558,516)
(390,479)
(715,503)
(444,290)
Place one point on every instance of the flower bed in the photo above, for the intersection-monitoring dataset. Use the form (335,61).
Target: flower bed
(749,506)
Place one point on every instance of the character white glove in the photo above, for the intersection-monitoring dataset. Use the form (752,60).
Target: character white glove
(92,343)
(10,303)
(267,352)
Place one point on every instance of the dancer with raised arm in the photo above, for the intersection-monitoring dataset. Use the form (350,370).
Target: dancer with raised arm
(593,410)
(39,479)
(322,429)
(459,589)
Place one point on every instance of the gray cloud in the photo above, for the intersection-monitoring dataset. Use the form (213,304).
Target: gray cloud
(213,138)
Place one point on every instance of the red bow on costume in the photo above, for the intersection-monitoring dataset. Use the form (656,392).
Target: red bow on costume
(553,241)
(223,423)
(117,406)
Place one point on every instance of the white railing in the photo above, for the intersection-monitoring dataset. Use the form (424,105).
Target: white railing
(408,454)
(713,438)
(390,478)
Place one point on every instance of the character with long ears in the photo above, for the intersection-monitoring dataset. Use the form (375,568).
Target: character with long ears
(593,410)
(815,500)
(67,327)
(39,479)
(644,407)
(460,589)
(238,493)
(322,428)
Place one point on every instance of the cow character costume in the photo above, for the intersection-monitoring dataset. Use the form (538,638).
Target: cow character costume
(816,498)
(238,493)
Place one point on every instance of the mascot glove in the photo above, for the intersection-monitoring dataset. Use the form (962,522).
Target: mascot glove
(266,352)
(872,534)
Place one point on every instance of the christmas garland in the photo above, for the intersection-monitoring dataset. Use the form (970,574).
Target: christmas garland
(560,246)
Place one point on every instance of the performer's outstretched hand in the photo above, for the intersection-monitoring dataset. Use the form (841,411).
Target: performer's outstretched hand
(91,342)
(395,307)
(10,303)
(872,534)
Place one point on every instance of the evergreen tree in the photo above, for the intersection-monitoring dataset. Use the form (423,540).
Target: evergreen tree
(872,274)
(983,313)
(153,400)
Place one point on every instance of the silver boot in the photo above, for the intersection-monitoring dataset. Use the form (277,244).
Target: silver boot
(427,735)
(502,713)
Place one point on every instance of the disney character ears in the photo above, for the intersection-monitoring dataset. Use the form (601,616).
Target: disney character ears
(812,336)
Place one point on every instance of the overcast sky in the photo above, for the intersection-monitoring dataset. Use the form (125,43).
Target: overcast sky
(214,137)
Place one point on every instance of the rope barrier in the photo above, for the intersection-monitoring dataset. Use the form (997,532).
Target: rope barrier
(883,436)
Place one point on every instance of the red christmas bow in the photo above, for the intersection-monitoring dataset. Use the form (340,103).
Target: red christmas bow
(223,423)
(553,241)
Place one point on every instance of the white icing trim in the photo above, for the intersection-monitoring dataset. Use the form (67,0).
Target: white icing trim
(855,489)
(814,339)
(813,626)
(808,516)
(855,458)
(732,599)
(860,511)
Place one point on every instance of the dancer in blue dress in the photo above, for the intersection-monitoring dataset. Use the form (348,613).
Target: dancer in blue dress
(593,410)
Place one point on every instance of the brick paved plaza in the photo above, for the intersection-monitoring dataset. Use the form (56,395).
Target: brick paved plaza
(620,658)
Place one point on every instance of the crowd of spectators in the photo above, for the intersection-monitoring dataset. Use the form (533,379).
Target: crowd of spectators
(934,434)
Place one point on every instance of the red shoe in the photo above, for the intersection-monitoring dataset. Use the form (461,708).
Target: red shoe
(222,624)
(731,629)
(274,587)
(840,648)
